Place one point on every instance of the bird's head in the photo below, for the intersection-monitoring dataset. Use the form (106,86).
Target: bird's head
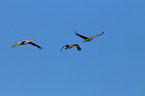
(32,40)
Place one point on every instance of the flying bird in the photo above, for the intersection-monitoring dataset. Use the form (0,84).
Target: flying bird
(25,42)
(71,46)
(87,39)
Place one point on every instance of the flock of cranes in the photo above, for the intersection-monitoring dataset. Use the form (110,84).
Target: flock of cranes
(87,39)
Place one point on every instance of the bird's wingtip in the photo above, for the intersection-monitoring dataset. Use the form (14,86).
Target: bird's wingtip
(41,48)
(12,46)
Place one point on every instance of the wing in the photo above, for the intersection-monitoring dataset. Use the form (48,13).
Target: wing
(34,44)
(62,47)
(77,46)
(16,44)
(97,35)
(84,37)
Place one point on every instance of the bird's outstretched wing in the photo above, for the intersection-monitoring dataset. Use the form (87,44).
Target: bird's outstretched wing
(84,37)
(62,47)
(16,44)
(34,44)
(77,46)
(97,35)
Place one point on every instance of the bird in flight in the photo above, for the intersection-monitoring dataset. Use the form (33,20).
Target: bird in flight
(87,39)
(71,46)
(25,42)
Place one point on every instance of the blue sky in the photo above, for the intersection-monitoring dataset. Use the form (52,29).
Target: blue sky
(110,65)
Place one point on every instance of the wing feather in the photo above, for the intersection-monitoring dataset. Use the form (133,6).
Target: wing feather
(16,44)
(62,47)
(84,37)
(98,35)
(34,44)
(77,46)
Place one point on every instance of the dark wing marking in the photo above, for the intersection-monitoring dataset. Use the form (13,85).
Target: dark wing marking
(62,47)
(98,35)
(84,37)
(77,46)
(16,44)
(34,44)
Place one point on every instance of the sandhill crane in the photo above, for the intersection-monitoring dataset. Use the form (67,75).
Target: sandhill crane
(71,46)
(25,42)
(87,39)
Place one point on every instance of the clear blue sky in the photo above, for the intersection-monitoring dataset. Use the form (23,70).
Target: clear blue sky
(110,65)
